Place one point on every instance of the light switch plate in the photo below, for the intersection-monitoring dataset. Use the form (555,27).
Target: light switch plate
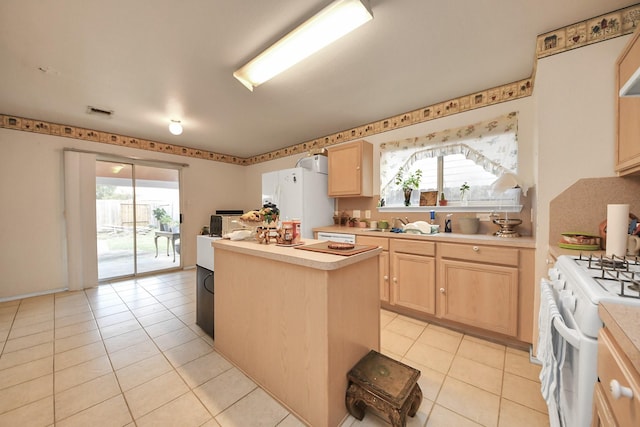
(367,214)
(356,213)
(483,216)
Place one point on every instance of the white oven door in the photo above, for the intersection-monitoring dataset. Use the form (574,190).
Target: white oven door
(577,371)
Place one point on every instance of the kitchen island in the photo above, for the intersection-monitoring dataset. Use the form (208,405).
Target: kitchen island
(296,321)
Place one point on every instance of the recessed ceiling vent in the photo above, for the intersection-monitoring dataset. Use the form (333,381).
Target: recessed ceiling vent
(103,112)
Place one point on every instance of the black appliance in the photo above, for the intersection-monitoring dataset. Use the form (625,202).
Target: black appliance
(215,223)
(205,300)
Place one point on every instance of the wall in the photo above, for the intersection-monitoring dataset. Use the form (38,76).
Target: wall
(33,257)
(574,95)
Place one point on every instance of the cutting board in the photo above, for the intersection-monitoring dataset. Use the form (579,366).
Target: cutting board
(324,248)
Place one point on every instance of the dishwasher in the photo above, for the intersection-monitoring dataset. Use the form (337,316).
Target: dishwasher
(337,237)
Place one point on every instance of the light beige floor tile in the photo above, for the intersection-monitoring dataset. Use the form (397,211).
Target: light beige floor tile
(36,414)
(119,328)
(489,355)
(523,391)
(176,302)
(255,409)
(412,320)
(394,343)
(25,372)
(164,327)
(386,317)
(401,325)
(125,340)
(471,402)
(9,359)
(187,352)
(168,296)
(28,341)
(23,320)
(394,356)
(140,372)
(76,328)
(114,319)
(519,364)
(184,309)
(203,369)
(35,328)
(431,357)
(291,421)
(430,381)
(83,372)
(155,317)
(485,342)
(24,393)
(445,330)
(78,355)
(148,309)
(185,411)
(141,302)
(135,353)
(513,414)
(85,395)
(74,341)
(443,417)
(155,393)
(439,339)
(175,338)
(72,319)
(477,374)
(111,412)
(222,391)
(109,310)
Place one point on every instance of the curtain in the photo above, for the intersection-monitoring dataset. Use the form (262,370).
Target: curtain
(490,143)
(80,218)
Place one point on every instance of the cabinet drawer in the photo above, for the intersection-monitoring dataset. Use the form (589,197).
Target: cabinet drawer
(413,247)
(383,242)
(479,253)
(614,365)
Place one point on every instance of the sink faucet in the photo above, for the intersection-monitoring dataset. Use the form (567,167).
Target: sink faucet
(404,221)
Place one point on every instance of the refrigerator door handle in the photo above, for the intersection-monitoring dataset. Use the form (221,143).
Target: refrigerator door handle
(204,283)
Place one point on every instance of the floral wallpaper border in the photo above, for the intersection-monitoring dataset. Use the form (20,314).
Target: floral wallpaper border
(584,33)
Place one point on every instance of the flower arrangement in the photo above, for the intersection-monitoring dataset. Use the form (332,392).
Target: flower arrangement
(411,182)
(269,213)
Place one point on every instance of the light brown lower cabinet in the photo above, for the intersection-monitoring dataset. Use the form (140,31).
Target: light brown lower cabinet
(382,242)
(413,275)
(602,414)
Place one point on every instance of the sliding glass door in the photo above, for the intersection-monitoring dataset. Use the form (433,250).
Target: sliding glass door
(137,219)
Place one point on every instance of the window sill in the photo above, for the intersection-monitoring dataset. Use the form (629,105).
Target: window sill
(452,208)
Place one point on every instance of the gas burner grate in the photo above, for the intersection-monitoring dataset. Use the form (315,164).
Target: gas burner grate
(622,270)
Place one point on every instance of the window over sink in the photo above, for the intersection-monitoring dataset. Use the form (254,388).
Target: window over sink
(464,164)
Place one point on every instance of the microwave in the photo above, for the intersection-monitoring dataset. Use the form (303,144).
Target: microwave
(224,222)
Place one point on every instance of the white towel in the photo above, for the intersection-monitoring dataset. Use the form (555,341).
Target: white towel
(551,351)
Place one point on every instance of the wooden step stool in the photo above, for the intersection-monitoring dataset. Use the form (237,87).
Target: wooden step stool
(386,385)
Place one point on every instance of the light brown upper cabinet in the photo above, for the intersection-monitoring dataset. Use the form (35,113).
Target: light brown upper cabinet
(628,108)
(351,170)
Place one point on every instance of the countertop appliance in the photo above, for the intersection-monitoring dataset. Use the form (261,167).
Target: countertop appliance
(225,221)
(337,237)
(301,193)
(205,283)
(569,299)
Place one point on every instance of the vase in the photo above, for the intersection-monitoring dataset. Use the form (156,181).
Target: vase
(407,196)
(464,199)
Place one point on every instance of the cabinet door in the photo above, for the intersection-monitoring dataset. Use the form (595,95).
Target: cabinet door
(480,295)
(350,167)
(413,282)
(602,415)
(627,112)
(384,276)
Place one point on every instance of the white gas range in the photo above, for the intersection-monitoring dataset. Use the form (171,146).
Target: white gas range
(569,301)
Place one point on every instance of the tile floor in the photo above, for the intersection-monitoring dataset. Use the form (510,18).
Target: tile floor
(129,354)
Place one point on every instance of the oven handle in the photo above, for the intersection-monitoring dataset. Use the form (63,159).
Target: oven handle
(569,335)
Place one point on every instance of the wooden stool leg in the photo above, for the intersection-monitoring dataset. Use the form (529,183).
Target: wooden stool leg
(416,395)
(355,406)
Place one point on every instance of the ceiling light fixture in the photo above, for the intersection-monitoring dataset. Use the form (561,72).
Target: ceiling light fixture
(175,127)
(334,21)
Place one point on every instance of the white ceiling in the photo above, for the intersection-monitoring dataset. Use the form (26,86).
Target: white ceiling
(155,60)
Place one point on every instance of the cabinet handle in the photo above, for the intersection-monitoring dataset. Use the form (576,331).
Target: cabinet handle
(357,168)
(386,278)
(395,280)
(618,391)
(442,290)
(475,249)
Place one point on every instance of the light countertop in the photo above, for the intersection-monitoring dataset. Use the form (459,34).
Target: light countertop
(623,321)
(477,239)
(291,255)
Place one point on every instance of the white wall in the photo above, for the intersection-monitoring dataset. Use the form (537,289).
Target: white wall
(574,99)
(33,255)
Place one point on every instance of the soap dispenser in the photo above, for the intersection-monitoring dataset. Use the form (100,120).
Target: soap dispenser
(447,224)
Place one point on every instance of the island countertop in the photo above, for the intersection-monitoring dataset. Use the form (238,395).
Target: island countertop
(291,255)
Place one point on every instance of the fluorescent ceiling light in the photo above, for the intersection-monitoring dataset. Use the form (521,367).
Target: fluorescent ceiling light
(334,21)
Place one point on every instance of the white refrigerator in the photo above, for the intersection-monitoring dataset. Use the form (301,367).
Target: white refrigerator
(301,193)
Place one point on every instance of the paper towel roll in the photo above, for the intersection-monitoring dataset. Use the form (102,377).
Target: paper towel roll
(617,230)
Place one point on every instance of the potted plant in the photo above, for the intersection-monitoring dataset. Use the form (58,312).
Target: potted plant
(409,183)
(443,199)
(163,218)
